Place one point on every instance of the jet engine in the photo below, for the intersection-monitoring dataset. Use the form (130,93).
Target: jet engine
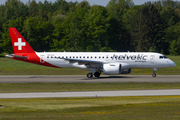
(112,69)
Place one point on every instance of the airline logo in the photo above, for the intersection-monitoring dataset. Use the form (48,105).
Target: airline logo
(19,43)
(130,57)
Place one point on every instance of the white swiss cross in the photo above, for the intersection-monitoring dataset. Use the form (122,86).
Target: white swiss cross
(19,44)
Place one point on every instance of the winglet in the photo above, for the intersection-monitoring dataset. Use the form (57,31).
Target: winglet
(19,44)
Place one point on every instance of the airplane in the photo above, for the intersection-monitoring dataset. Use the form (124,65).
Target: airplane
(110,63)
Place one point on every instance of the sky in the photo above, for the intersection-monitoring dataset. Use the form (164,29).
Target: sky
(92,2)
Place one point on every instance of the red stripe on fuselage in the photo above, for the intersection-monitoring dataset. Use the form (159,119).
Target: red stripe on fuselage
(33,58)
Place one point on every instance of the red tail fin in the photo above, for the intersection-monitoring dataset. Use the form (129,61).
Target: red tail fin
(19,43)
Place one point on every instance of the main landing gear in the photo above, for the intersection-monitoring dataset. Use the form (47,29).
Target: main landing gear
(89,75)
(96,74)
(154,72)
(94,71)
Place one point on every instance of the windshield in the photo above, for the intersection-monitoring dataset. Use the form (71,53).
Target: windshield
(163,57)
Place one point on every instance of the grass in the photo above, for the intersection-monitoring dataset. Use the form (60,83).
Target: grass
(13,67)
(59,87)
(105,108)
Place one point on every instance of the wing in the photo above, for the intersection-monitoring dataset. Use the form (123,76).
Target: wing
(82,61)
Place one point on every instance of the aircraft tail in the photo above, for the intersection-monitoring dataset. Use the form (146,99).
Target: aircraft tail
(19,44)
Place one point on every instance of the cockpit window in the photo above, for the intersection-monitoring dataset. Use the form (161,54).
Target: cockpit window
(163,57)
(160,57)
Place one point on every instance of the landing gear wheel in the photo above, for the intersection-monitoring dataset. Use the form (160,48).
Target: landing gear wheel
(89,75)
(154,75)
(96,74)
(154,72)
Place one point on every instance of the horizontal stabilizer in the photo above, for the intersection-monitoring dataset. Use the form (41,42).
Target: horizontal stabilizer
(15,56)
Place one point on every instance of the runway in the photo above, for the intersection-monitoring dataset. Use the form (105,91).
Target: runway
(84,79)
(92,94)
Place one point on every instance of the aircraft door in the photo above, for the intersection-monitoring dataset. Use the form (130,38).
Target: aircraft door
(42,59)
(152,59)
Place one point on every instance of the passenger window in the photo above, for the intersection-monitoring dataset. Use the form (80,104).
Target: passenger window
(99,57)
(83,57)
(87,57)
(95,57)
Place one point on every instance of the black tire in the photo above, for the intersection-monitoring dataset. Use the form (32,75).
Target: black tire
(154,75)
(89,75)
(96,74)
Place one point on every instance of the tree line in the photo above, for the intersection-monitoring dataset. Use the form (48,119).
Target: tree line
(79,27)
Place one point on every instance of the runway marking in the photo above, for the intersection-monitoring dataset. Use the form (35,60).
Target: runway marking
(92,94)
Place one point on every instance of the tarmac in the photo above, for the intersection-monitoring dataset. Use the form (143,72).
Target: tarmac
(84,79)
(92,94)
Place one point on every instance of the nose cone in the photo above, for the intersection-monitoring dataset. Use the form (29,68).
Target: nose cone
(173,64)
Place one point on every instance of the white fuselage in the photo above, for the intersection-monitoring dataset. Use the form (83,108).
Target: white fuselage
(129,59)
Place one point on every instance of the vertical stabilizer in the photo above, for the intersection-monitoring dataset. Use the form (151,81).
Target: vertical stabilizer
(19,44)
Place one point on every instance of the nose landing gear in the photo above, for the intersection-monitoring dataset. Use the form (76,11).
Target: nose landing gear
(154,75)
(154,72)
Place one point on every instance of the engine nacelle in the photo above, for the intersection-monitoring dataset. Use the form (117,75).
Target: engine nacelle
(126,71)
(112,69)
